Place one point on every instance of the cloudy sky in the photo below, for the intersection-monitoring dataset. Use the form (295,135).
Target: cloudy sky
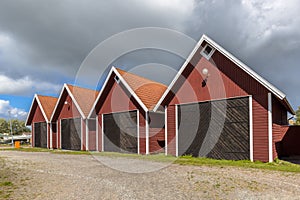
(43,43)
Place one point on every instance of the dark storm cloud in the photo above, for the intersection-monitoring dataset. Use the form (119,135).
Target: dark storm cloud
(47,40)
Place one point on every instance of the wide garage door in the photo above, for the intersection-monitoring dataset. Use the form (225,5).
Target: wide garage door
(120,132)
(71,134)
(40,134)
(215,129)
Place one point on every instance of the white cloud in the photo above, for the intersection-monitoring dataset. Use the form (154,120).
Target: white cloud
(25,86)
(267,19)
(178,6)
(6,111)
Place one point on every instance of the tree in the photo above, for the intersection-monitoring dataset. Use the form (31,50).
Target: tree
(298,116)
(4,126)
(18,127)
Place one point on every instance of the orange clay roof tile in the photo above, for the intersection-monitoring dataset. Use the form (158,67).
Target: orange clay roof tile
(147,90)
(48,103)
(84,97)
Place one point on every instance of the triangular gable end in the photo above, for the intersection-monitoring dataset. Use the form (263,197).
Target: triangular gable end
(280,95)
(65,87)
(30,115)
(115,71)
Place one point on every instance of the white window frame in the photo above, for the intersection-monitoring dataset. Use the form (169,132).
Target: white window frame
(207,56)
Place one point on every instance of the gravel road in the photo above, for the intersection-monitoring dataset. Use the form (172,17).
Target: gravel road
(43,175)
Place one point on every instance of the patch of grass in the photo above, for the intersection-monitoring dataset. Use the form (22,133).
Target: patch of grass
(6,183)
(277,165)
(28,149)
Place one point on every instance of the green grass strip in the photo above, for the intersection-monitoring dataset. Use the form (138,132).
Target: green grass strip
(277,165)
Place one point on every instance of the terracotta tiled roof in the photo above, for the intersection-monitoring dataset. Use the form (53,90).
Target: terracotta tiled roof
(147,90)
(48,104)
(84,97)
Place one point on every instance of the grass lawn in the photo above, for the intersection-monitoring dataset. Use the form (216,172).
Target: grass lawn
(277,165)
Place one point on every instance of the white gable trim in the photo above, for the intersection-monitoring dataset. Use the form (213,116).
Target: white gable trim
(73,99)
(41,107)
(113,69)
(100,93)
(130,90)
(244,67)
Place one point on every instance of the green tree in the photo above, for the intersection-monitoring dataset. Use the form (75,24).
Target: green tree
(18,126)
(4,126)
(298,116)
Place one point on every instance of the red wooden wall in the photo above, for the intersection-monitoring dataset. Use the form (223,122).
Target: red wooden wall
(225,80)
(37,117)
(117,99)
(66,111)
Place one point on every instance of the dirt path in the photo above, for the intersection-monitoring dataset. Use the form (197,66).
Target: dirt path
(57,176)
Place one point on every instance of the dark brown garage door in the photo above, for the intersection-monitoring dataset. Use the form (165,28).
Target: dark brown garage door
(71,134)
(40,134)
(216,129)
(120,132)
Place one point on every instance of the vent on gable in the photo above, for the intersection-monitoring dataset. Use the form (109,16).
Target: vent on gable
(117,79)
(207,51)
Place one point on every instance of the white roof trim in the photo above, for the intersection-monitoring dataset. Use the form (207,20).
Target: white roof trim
(100,93)
(248,70)
(178,74)
(130,90)
(73,99)
(113,69)
(236,61)
(40,105)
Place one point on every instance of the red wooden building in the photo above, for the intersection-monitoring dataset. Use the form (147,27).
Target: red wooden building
(218,107)
(43,132)
(70,115)
(124,114)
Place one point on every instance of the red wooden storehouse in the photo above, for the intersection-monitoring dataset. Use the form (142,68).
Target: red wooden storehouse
(70,115)
(124,114)
(218,107)
(43,131)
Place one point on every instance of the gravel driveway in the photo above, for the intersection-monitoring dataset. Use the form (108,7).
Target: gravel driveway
(44,175)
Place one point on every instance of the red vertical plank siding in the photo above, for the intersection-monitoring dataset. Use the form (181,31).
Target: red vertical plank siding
(92,136)
(171,131)
(37,117)
(99,127)
(225,80)
(115,98)
(279,126)
(142,132)
(66,111)
(83,139)
(32,135)
(58,135)
(260,129)
(155,135)
(54,141)
(48,135)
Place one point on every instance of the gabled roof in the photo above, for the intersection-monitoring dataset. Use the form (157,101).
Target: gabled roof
(146,92)
(82,98)
(46,104)
(280,95)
